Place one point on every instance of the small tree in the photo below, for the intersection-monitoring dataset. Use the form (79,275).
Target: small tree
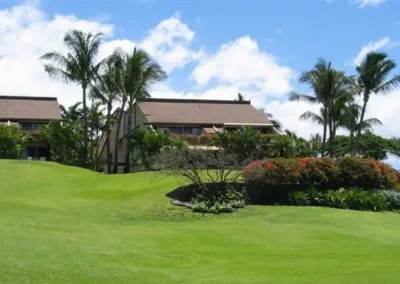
(12,142)
(245,143)
(200,167)
(151,143)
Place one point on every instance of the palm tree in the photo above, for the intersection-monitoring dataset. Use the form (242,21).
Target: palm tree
(330,88)
(275,123)
(106,91)
(372,79)
(350,121)
(315,143)
(78,66)
(137,72)
(282,146)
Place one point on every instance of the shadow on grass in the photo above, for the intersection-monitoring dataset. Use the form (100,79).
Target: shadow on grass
(257,194)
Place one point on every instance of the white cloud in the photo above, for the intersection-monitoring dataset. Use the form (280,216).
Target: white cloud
(26,34)
(371,46)
(242,64)
(278,31)
(169,43)
(372,3)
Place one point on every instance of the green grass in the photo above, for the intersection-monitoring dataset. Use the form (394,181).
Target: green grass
(66,225)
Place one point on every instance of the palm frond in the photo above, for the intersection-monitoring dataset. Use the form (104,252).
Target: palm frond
(302,97)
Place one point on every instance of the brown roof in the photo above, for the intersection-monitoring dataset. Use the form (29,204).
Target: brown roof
(205,112)
(34,108)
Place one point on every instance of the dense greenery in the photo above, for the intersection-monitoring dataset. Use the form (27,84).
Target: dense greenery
(12,142)
(148,144)
(66,138)
(355,199)
(66,225)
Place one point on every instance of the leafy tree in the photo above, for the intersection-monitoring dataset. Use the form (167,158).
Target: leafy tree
(371,146)
(151,143)
(136,73)
(372,79)
(65,141)
(12,142)
(245,143)
(78,66)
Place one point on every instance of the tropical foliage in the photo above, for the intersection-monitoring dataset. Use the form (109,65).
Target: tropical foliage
(12,142)
(337,93)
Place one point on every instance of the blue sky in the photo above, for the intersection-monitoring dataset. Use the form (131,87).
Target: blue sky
(210,49)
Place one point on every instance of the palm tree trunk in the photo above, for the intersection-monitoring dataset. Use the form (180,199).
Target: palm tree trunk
(127,144)
(355,146)
(85,127)
(331,133)
(108,129)
(115,166)
(324,136)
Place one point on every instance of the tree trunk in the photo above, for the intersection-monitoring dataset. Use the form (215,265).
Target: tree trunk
(127,144)
(108,131)
(355,147)
(331,133)
(91,140)
(85,127)
(115,166)
(324,136)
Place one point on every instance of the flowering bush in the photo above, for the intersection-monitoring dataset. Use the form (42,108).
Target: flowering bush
(323,173)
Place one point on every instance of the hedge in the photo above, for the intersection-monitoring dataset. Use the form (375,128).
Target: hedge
(323,173)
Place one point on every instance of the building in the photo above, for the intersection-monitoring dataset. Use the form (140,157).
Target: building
(30,114)
(195,119)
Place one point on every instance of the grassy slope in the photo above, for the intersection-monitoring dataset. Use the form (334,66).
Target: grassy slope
(66,225)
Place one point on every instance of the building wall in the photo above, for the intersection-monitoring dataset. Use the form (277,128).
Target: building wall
(137,119)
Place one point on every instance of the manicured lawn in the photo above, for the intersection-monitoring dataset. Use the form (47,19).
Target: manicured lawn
(66,225)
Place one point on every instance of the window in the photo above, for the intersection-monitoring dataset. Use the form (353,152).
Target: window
(196,131)
(176,130)
(187,130)
(192,130)
(31,126)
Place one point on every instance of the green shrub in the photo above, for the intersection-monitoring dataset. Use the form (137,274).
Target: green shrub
(212,207)
(299,198)
(224,198)
(311,197)
(356,199)
(393,198)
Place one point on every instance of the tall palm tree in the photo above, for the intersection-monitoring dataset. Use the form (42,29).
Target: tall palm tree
(137,72)
(372,78)
(106,91)
(350,121)
(330,88)
(78,66)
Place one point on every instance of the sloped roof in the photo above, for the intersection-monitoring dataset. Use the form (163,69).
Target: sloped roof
(205,112)
(34,108)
